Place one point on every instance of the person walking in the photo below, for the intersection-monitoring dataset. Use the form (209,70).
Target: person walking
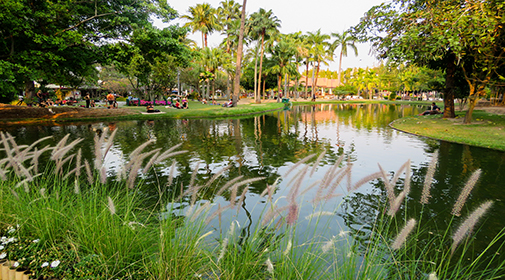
(110,99)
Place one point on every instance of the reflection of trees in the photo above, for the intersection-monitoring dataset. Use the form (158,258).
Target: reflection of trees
(455,165)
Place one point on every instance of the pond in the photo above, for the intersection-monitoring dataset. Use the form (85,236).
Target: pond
(270,145)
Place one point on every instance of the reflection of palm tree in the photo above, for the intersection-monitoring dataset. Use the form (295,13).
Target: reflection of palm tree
(343,41)
(263,25)
(202,18)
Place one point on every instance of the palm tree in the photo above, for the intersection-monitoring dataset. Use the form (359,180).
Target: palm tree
(319,51)
(229,17)
(344,41)
(282,56)
(263,25)
(202,17)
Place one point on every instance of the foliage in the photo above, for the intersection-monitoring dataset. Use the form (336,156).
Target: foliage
(151,59)
(60,42)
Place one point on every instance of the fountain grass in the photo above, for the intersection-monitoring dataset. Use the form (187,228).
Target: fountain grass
(73,228)
(486,130)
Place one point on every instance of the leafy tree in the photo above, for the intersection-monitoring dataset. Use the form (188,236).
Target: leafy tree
(151,58)
(463,34)
(282,56)
(59,42)
(238,65)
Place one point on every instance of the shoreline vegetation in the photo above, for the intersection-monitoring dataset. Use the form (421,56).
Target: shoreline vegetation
(69,220)
(487,129)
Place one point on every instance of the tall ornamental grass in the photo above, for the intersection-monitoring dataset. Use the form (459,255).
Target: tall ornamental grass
(69,219)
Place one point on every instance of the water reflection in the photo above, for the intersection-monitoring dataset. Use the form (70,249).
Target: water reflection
(268,145)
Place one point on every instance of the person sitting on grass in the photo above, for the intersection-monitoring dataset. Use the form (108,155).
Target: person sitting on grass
(150,109)
(184,104)
(228,104)
(177,104)
(432,110)
(49,102)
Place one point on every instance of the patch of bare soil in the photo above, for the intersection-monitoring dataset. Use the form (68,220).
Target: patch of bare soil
(10,113)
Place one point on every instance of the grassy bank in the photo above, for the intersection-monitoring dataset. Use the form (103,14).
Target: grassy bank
(71,221)
(486,130)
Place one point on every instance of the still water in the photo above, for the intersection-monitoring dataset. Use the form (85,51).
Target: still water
(269,145)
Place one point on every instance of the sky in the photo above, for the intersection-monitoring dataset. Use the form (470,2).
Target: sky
(331,16)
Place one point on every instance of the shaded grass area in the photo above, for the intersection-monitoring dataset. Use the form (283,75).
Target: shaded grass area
(486,130)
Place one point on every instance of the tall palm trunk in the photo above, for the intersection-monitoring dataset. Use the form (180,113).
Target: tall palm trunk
(339,69)
(261,60)
(306,78)
(236,84)
(256,85)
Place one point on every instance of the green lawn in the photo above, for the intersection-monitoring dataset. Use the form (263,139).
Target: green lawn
(486,130)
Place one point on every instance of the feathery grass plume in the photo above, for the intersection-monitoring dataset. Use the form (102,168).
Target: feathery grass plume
(235,187)
(223,249)
(293,192)
(77,188)
(3,174)
(288,248)
(203,236)
(228,184)
(166,154)
(110,142)
(433,276)
(200,209)
(25,183)
(428,179)
(98,152)
(270,266)
(390,191)
(217,212)
(467,226)
(326,182)
(139,149)
(399,172)
(35,157)
(365,180)
(78,165)
(331,189)
(194,193)
(151,161)
(59,164)
(395,204)
(272,213)
(406,184)
(193,175)
(172,173)
(65,149)
(134,166)
(402,236)
(292,214)
(456,210)
(59,145)
(305,159)
(91,179)
(219,173)
(111,206)
(318,182)
(316,164)
(328,245)
(319,214)
(43,192)
(103,175)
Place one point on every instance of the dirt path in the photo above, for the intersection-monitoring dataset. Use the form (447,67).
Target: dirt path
(10,113)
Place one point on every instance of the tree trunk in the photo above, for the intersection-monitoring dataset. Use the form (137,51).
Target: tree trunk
(339,69)
(29,89)
(471,105)
(261,61)
(257,98)
(449,87)
(236,84)
(306,79)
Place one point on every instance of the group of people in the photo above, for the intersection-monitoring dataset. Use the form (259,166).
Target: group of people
(177,104)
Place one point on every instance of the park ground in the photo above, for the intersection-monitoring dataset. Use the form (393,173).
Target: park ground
(486,130)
